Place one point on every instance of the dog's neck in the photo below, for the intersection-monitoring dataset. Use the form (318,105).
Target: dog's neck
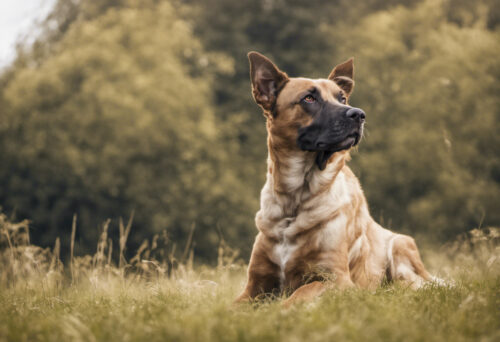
(294,176)
(292,179)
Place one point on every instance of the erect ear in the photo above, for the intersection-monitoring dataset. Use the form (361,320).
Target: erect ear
(343,75)
(266,78)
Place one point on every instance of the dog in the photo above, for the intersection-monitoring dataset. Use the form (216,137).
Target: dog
(315,229)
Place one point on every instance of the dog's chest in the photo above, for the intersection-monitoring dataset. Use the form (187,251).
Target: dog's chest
(282,254)
(297,248)
(298,256)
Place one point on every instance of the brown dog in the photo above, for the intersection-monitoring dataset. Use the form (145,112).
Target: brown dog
(315,229)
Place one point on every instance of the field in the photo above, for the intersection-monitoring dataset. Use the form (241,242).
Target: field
(93,298)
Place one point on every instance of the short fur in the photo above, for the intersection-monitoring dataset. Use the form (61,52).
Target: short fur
(315,230)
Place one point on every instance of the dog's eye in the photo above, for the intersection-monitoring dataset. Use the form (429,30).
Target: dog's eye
(309,99)
(342,99)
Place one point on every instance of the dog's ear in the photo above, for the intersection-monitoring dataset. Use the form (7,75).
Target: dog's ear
(267,80)
(343,75)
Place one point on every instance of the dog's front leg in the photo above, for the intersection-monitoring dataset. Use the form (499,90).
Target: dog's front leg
(338,268)
(315,289)
(263,274)
(306,293)
(257,285)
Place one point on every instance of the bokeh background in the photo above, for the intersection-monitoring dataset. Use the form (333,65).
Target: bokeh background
(115,107)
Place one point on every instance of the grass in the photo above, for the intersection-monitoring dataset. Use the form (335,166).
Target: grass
(92,299)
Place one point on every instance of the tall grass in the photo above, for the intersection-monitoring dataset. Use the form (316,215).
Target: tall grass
(156,297)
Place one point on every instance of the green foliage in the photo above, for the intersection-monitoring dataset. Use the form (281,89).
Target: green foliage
(145,105)
(156,302)
(118,117)
(430,87)
(427,76)
(191,310)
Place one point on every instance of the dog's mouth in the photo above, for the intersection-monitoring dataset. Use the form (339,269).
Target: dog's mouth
(324,154)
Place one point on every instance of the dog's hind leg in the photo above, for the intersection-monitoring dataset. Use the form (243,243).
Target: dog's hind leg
(405,263)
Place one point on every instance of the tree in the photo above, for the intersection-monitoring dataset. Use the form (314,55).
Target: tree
(117,116)
(430,89)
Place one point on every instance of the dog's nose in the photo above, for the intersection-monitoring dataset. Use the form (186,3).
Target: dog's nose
(320,144)
(356,114)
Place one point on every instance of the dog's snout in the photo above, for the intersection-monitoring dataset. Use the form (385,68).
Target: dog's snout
(321,145)
(356,114)
(304,138)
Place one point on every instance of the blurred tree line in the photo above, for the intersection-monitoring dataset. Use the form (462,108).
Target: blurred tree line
(145,106)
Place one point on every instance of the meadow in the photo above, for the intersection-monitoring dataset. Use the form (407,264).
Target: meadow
(115,107)
(155,297)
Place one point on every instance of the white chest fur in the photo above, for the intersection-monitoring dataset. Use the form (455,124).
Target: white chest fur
(285,229)
(282,253)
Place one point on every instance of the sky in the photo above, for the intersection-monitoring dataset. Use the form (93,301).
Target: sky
(16,19)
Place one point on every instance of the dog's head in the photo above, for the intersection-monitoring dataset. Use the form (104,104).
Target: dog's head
(306,114)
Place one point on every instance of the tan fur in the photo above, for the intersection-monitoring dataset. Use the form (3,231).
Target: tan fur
(315,229)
